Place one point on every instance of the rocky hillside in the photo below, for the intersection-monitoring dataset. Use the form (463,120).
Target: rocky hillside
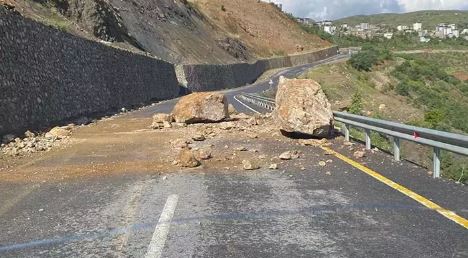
(178,31)
(262,26)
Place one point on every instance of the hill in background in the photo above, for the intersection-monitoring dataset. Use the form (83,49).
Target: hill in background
(429,18)
(178,31)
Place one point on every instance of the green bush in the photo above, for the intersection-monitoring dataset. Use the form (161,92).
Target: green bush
(368,57)
(363,61)
(356,104)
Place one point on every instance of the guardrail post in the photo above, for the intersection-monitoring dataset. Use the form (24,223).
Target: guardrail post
(436,162)
(368,140)
(346,132)
(396,148)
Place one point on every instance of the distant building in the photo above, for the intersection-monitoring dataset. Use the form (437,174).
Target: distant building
(417,26)
(364,26)
(424,39)
(306,21)
(330,29)
(402,27)
(388,35)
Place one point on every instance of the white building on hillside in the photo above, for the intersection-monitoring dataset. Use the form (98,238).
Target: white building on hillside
(330,29)
(417,26)
(402,27)
(388,35)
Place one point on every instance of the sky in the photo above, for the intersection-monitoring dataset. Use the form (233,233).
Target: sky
(335,9)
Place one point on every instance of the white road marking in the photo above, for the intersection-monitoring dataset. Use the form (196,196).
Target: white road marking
(162,228)
(235,97)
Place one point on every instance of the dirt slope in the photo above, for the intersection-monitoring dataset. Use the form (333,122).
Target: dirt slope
(262,26)
(178,31)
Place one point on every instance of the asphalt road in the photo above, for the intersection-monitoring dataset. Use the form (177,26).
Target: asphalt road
(332,211)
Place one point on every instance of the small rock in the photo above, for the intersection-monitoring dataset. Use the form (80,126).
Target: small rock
(167,124)
(359,154)
(242,148)
(204,154)
(382,107)
(227,125)
(198,137)
(288,155)
(29,134)
(322,163)
(249,165)
(58,132)
(187,159)
(347,143)
(161,118)
(180,144)
(328,173)
(273,166)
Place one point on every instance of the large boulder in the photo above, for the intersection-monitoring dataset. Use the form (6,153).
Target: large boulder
(201,107)
(302,107)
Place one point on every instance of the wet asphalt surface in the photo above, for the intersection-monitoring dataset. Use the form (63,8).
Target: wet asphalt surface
(331,211)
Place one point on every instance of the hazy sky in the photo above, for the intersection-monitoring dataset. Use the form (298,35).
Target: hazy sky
(334,9)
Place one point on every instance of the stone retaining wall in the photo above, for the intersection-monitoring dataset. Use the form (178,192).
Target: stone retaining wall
(47,76)
(216,77)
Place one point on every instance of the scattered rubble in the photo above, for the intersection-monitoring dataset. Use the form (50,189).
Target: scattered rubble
(359,154)
(273,166)
(204,154)
(302,107)
(187,159)
(161,120)
(198,137)
(59,132)
(180,144)
(34,143)
(289,155)
(250,165)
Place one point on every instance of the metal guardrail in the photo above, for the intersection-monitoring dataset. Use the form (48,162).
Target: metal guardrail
(438,140)
(266,103)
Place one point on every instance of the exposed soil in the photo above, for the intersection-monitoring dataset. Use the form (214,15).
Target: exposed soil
(461,75)
(262,26)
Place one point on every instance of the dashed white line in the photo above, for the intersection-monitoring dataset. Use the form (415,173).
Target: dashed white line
(162,228)
(245,105)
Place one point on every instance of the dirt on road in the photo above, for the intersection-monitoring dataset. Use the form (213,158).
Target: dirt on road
(125,144)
